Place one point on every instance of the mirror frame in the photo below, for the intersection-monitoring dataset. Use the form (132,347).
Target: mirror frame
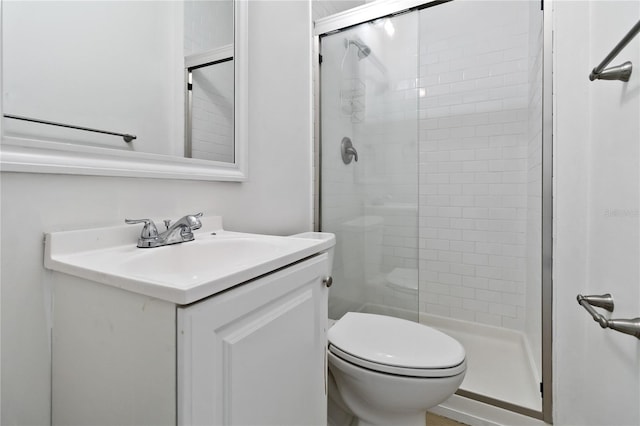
(41,156)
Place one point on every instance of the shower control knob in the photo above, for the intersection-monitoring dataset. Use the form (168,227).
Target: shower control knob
(328,281)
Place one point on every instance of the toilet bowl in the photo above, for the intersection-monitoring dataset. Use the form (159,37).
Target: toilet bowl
(390,371)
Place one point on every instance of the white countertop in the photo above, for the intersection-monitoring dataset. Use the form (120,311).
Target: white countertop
(180,273)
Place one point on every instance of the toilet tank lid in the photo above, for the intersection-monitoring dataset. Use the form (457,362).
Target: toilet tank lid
(394,341)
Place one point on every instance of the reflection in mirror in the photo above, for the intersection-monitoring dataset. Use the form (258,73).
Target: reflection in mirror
(208,25)
(210,112)
(208,50)
(118,66)
(97,64)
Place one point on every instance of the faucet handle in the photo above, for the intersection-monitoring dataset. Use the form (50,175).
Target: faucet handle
(149,231)
(194,221)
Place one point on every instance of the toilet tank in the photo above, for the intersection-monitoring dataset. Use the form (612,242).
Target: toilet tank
(362,248)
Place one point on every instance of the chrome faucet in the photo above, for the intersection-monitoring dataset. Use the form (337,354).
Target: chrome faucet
(180,231)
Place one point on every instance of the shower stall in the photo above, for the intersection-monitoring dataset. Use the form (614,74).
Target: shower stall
(431,174)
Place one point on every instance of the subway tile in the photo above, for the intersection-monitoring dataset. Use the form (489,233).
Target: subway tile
(462,314)
(489,248)
(475,259)
(489,272)
(436,244)
(462,269)
(475,119)
(475,166)
(475,282)
(475,213)
(449,256)
(462,200)
(462,246)
(450,234)
(463,155)
(463,292)
(451,76)
(489,296)
(450,212)
(475,305)
(465,177)
(462,223)
(504,286)
(489,318)
(438,288)
(450,279)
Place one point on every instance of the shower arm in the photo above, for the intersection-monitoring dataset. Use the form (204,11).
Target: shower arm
(605,301)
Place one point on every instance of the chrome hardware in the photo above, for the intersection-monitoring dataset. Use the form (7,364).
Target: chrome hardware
(620,72)
(179,232)
(605,301)
(149,230)
(328,281)
(348,151)
(626,326)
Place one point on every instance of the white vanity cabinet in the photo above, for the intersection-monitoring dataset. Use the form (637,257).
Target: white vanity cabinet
(253,354)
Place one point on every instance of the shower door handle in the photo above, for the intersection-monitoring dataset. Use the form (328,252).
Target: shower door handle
(348,151)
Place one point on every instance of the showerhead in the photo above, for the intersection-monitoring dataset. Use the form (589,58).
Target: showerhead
(363,49)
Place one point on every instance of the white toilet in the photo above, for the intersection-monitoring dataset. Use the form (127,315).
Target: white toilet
(390,371)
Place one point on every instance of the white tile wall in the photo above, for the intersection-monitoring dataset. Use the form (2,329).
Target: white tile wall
(474,169)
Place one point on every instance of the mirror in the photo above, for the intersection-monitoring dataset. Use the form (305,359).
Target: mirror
(123,68)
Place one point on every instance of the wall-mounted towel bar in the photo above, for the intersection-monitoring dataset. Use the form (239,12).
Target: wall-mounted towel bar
(127,138)
(619,72)
(605,301)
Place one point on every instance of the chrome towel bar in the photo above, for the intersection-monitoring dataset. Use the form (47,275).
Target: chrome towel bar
(605,301)
(127,138)
(619,72)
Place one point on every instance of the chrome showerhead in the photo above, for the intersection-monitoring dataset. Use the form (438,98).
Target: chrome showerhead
(363,49)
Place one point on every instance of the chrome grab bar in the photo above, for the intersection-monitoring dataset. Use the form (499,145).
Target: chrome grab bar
(127,138)
(605,301)
(619,72)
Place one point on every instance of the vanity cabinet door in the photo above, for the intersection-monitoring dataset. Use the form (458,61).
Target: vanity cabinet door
(255,354)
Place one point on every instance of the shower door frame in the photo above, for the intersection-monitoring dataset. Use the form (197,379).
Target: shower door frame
(381,9)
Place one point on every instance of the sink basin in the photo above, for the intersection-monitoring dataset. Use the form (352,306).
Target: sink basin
(181,273)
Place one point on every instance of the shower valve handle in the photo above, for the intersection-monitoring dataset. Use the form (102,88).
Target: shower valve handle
(347,150)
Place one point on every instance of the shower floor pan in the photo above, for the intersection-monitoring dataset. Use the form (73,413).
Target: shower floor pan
(499,362)
(500,365)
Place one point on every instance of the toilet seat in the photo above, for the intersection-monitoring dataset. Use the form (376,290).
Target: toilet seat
(395,346)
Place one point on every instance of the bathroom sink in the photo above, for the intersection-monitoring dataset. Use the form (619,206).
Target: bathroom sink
(181,273)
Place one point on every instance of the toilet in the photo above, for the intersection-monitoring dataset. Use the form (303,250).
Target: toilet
(389,371)
(385,370)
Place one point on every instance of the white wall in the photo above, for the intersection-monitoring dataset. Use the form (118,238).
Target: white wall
(276,199)
(597,201)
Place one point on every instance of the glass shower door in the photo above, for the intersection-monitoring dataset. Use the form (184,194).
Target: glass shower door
(369,165)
